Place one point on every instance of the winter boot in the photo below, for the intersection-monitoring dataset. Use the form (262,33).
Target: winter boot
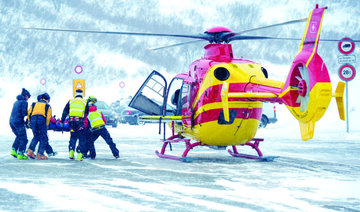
(21,156)
(52,154)
(30,154)
(41,157)
(14,153)
(80,157)
(71,155)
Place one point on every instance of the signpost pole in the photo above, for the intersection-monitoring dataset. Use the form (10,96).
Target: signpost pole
(347,107)
(347,71)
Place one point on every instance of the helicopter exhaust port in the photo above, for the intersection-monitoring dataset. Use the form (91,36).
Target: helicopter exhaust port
(221,73)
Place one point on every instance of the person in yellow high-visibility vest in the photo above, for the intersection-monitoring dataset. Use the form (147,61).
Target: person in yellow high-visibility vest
(39,117)
(96,123)
(76,109)
(37,111)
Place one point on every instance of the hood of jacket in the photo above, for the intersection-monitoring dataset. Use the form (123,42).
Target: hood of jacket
(20,97)
(92,108)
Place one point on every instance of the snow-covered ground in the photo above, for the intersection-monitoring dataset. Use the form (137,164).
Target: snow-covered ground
(317,175)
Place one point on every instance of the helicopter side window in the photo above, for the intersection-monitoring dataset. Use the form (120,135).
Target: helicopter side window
(173,104)
(185,96)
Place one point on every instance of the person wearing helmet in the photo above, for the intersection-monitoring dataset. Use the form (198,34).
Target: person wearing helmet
(39,116)
(76,109)
(96,122)
(17,124)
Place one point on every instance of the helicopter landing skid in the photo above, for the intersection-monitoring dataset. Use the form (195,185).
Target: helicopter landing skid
(254,145)
(177,139)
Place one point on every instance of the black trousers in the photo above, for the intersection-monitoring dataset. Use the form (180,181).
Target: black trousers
(104,133)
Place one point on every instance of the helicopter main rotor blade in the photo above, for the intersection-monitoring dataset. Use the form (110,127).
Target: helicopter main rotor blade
(338,40)
(251,37)
(203,37)
(177,44)
(273,25)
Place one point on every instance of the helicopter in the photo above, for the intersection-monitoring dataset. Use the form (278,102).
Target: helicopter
(218,102)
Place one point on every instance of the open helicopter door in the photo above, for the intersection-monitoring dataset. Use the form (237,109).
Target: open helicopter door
(151,95)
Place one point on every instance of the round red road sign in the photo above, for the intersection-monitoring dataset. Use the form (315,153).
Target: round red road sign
(346,46)
(347,72)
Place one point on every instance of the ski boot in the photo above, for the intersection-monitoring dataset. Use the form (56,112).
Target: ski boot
(21,156)
(80,157)
(52,154)
(41,157)
(14,153)
(30,154)
(71,155)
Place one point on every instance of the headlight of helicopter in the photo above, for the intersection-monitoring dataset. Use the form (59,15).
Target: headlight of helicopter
(221,73)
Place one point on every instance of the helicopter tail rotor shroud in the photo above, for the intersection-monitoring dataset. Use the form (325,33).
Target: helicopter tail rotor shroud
(307,91)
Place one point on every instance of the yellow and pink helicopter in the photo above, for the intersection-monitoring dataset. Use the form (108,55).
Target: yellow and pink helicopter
(218,102)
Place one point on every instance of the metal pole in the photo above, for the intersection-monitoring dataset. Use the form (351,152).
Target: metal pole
(347,108)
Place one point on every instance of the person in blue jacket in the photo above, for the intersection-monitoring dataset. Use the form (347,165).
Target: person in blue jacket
(17,124)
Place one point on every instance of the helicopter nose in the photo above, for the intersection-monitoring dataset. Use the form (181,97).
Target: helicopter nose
(221,73)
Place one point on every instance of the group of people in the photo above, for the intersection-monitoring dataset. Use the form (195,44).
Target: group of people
(86,124)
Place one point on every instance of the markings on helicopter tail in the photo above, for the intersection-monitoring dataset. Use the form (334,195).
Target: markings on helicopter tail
(313,28)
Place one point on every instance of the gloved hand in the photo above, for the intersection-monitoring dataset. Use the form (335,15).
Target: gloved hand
(27,125)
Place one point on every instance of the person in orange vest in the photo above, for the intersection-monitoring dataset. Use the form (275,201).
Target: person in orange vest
(48,149)
(96,121)
(76,109)
(39,117)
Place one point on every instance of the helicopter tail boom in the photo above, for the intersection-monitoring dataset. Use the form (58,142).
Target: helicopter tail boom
(307,91)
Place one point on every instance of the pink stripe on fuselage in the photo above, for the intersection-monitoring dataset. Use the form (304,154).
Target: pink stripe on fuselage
(242,113)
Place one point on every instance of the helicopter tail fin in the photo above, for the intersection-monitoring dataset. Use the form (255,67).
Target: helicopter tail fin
(307,91)
(339,96)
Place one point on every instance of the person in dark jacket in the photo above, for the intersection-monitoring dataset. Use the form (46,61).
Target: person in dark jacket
(17,124)
(39,116)
(76,109)
(49,150)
